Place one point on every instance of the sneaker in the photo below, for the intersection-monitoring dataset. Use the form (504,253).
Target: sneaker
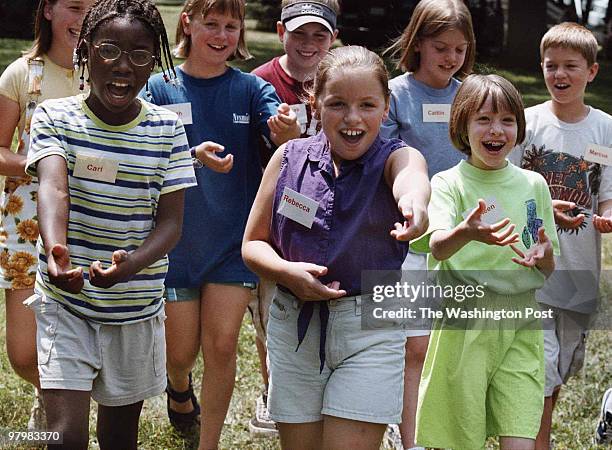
(603,434)
(393,438)
(262,424)
(38,418)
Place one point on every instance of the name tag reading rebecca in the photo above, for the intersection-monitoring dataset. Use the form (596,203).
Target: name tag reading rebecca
(96,168)
(298,207)
(183,110)
(598,154)
(436,112)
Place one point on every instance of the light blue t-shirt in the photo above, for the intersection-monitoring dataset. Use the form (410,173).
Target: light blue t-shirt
(232,110)
(405,121)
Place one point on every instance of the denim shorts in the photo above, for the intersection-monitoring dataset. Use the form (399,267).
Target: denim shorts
(192,294)
(363,375)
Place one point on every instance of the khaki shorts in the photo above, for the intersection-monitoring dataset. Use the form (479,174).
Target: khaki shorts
(259,307)
(565,338)
(119,364)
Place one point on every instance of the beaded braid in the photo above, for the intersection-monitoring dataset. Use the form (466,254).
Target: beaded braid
(143,10)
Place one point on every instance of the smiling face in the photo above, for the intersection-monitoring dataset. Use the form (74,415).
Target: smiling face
(351,107)
(115,84)
(492,135)
(66,17)
(305,46)
(214,38)
(441,56)
(566,73)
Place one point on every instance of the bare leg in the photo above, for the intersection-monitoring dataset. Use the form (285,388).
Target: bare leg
(182,346)
(68,412)
(301,436)
(345,434)
(118,426)
(21,335)
(222,311)
(514,443)
(416,348)
(543,439)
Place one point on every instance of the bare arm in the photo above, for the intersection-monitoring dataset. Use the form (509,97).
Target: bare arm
(300,277)
(53,209)
(406,174)
(11,164)
(165,235)
(445,243)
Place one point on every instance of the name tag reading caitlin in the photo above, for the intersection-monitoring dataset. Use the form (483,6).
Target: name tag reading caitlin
(96,168)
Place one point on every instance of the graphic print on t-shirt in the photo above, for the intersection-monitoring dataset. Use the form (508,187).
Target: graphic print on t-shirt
(569,178)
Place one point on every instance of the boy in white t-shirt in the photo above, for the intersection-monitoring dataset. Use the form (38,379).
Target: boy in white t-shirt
(561,136)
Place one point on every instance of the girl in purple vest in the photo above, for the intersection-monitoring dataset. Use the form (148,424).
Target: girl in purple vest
(329,207)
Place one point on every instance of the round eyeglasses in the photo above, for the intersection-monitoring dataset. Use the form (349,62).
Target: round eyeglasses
(111,52)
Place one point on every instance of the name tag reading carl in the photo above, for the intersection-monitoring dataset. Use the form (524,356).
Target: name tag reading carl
(298,207)
(598,154)
(436,112)
(96,168)
(183,110)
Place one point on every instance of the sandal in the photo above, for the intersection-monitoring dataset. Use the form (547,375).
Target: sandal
(183,422)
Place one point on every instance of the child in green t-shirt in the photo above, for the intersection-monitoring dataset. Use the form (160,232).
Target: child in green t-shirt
(487,221)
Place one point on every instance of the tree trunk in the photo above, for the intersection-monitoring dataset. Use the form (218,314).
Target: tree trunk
(526,26)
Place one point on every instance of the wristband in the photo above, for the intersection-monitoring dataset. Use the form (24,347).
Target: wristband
(197,164)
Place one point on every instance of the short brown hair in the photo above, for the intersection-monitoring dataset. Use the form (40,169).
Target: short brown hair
(429,19)
(470,97)
(334,5)
(572,36)
(235,8)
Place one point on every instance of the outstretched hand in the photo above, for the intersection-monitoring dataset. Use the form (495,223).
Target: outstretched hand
(284,125)
(207,151)
(118,271)
(539,255)
(496,234)
(303,280)
(603,223)
(562,218)
(415,224)
(60,272)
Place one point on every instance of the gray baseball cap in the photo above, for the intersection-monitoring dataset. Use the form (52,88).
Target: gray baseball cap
(297,14)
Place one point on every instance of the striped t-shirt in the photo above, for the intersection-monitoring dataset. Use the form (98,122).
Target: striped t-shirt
(152,158)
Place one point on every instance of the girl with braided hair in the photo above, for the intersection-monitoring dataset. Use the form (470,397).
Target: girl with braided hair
(45,71)
(112,170)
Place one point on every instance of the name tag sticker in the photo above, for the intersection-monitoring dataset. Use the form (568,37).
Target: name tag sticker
(493,212)
(436,112)
(298,207)
(598,154)
(96,168)
(300,111)
(183,110)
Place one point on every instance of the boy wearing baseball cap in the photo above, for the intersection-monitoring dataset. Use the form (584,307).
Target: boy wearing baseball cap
(307,30)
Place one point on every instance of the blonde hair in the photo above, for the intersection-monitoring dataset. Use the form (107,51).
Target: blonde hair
(429,19)
(571,36)
(346,58)
(234,8)
(43,34)
(470,97)
(334,5)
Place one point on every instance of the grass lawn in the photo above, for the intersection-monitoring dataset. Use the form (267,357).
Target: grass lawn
(579,404)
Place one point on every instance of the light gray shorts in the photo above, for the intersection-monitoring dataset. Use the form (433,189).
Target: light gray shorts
(118,364)
(363,375)
(565,338)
